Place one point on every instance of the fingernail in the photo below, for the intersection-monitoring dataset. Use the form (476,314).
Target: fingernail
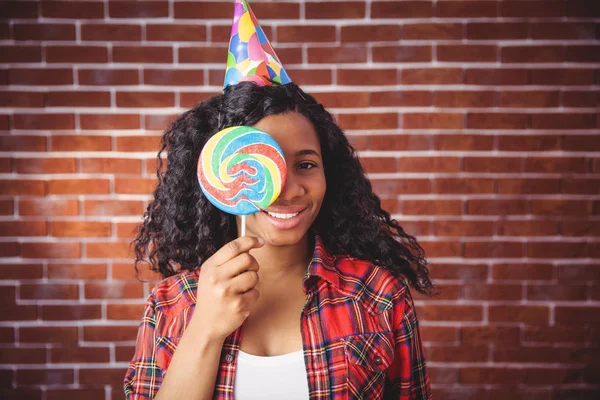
(261,241)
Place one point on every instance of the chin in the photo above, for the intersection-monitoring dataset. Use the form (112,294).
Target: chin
(284,238)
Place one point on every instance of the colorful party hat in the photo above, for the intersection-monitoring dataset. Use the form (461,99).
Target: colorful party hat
(251,57)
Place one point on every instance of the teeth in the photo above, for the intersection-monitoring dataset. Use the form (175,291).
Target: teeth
(282,216)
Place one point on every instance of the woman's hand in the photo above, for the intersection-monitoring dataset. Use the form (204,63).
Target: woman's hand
(226,288)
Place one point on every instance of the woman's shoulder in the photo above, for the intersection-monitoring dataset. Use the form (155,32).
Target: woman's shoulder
(175,293)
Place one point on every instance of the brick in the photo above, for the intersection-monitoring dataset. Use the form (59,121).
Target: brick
(22,187)
(20,54)
(6,165)
(77,99)
(431,76)
(552,292)
(131,312)
(382,77)
(417,228)
(75,312)
(521,9)
(580,186)
(45,165)
(528,186)
(464,228)
(444,354)
(467,53)
(584,273)
(48,207)
(308,33)
(569,121)
(556,250)
(437,31)
(21,271)
(338,55)
(464,99)
(397,98)
(7,335)
(135,186)
(438,333)
(9,249)
(496,249)
(23,355)
(489,375)
(113,290)
(441,248)
(463,142)
(50,250)
(390,205)
(42,77)
(109,121)
(78,186)
(21,9)
(108,250)
(67,9)
(79,355)
(497,31)
(532,315)
(431,207)
(406,9)
(495,77)
(80,229)
(7,207)
(117,333)
(561,207)
(378,164)
(576,315)
(369,33)
(12,143)
(462,185)
(436,120)
(200,55)
(142,54)
(401,186)
(466,9)
(23,228)
(202,10)
(454,312)
(556,165)
(543,334)
(581,143)
(399,142)
(108,77)
(429,164)
(77,271)
(493,292)
(111,32)
(170,77)
(533,54)
(19,99)
(13,312)
(104,376)
(88,394)
(47,334)
(528,143)
(111,165)
(563,31)
(581,98)
(353,10)
(76,54)
(368,121)
(580,228)
(582,8)
(402,54)
(495,164)
(153,122)
(175,33)
(190,100)
(137,144)
(138,9)
(498,335)
(145,99)
(80,143)
(53,376)
(46,121)
(127,272)
(497,121)
(564,76)
(311,76)
(528,99)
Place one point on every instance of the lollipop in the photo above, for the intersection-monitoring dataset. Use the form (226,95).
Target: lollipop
(241,170)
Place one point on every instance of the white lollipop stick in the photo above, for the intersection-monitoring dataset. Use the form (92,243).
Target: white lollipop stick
(243,225)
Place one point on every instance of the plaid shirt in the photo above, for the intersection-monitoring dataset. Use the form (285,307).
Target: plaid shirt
(359,331)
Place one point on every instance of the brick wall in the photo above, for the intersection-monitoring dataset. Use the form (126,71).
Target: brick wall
(476,120)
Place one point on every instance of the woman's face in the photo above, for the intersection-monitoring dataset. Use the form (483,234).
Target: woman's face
(288,219)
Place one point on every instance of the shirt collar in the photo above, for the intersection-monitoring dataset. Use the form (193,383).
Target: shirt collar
(322,266)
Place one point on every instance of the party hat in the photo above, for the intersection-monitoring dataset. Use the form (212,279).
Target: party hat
(251,56)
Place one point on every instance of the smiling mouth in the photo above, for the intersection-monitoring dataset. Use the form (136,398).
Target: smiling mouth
(282,216)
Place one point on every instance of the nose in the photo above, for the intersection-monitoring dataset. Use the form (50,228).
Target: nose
(293,187)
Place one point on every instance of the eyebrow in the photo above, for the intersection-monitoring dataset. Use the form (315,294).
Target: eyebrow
(307,152)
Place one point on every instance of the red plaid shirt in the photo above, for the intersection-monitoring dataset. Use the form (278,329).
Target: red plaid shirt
(359,331)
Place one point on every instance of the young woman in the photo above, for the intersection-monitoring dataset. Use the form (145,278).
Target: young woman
(313,303)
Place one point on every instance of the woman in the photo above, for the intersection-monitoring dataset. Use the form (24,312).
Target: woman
(312,303)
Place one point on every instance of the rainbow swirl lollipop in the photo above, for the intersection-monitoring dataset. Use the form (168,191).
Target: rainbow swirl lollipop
(241,170)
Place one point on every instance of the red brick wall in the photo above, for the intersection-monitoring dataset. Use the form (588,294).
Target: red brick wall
(476,120)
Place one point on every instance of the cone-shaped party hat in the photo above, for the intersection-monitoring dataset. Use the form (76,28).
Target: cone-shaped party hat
(251,56)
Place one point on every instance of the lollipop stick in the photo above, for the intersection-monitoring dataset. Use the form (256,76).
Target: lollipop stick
(243,225)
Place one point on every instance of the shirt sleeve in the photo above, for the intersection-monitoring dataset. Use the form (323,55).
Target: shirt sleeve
(407,377)
(144,376)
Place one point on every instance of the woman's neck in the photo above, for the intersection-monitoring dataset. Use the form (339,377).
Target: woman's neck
(282,262)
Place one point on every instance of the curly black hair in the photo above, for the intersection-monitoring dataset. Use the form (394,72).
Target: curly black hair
(182,229)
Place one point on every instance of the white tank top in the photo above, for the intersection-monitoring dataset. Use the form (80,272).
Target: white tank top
(270,378)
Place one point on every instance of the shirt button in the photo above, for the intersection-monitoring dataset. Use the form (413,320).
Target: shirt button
(377,360)
(229,358)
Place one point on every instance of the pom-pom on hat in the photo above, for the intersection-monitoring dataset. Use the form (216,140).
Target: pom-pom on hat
(251,56)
